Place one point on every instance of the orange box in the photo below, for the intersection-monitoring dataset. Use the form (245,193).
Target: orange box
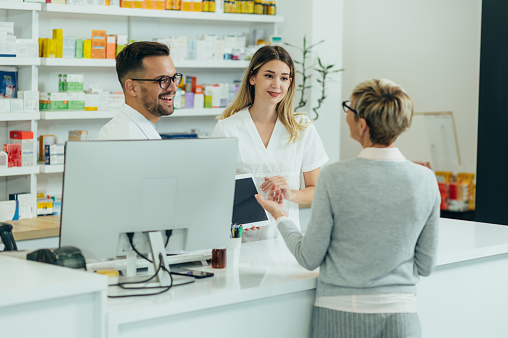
(98,44)
(21,134)
(111,47)
(199,89)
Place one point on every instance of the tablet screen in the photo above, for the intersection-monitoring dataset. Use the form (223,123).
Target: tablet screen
(246,210)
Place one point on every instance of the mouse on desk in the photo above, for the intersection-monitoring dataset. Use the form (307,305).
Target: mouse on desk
(68,256)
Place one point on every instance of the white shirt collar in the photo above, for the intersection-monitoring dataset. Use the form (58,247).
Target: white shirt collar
(382,154)
(147,126)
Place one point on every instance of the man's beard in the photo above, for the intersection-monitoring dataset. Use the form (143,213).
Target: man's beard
(154,107)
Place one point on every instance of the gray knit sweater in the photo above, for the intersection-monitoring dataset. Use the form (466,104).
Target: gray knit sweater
(373,228)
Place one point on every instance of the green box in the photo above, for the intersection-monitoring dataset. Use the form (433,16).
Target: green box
(79,49)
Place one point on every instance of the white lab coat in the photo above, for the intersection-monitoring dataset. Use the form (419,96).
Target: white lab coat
(278,158)
(129,124)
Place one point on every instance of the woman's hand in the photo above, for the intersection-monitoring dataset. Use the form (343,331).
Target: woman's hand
(280,183)
(274,203)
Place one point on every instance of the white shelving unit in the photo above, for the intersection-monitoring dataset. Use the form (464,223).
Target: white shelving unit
(34,20)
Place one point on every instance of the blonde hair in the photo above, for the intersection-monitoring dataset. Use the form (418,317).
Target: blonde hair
(385,106)
(245,96)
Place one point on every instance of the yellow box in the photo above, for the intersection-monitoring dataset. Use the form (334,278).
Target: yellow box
(58,34)
(41,47)
(87,49)
(59,48)
(197,6)
(51,50)
(186,5)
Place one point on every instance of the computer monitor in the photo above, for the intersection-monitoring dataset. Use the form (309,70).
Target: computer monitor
(111,188)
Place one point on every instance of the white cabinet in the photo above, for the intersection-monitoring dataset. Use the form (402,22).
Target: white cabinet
(34,20)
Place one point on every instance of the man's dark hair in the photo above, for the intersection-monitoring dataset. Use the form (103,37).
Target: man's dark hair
(130,59)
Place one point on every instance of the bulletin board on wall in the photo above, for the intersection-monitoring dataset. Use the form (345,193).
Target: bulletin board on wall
(432,138)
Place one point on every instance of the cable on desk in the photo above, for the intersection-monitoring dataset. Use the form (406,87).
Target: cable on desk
(130,236)
(166,288)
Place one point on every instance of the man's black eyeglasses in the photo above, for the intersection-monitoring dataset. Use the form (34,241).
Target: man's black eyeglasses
(346,107)
(165,81)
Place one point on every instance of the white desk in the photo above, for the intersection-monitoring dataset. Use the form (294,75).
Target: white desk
(43,300)
(268,295)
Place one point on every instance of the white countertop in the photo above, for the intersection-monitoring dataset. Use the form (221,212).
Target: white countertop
(464,240)
(266,269)
(25,281)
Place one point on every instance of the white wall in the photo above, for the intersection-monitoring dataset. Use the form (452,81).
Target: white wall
(318,20)
(431,48)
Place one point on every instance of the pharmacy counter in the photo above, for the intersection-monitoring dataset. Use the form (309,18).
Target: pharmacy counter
(267,295)
(43,300)
(270,295)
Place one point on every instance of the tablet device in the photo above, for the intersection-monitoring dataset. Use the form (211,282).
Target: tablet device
(246,210)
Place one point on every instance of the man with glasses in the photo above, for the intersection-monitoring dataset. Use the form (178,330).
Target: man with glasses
(149,82)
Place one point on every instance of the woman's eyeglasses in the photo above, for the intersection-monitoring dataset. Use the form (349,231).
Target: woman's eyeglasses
(165,81)
(346,107)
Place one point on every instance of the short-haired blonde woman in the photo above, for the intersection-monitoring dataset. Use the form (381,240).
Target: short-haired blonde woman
(374,225)
(275,144)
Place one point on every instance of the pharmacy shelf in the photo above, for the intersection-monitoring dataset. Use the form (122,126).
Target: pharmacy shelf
(19,5)
(59,62)
(51,169)
(20,116)
(77,114)
(147,13)
(19,171)
(197,112)
(211,64)
(15,61)
(108,114)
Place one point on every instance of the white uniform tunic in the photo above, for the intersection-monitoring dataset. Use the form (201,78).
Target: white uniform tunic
(129,124)
(288,160)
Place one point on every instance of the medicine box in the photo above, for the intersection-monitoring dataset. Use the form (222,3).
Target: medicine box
(44,206)
(30,100)
(4,160)
(25,204)
(5,105)
(25,139)
(70,82)
(54,149)
(55,159)
(58,101)
(13,151)
(43,141)
(79,135)
(43,101)
(17,105)
(111,47)
(79,49)
(76,100)
(7,46)
(8,211)
(98,44)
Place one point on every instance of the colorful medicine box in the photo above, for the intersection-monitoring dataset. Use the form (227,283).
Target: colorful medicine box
(13,151)
(98,44)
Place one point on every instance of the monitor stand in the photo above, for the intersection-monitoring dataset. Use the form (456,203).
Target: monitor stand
(158,253)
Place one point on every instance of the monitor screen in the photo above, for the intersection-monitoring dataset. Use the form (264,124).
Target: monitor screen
(114,187)
(246,210)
